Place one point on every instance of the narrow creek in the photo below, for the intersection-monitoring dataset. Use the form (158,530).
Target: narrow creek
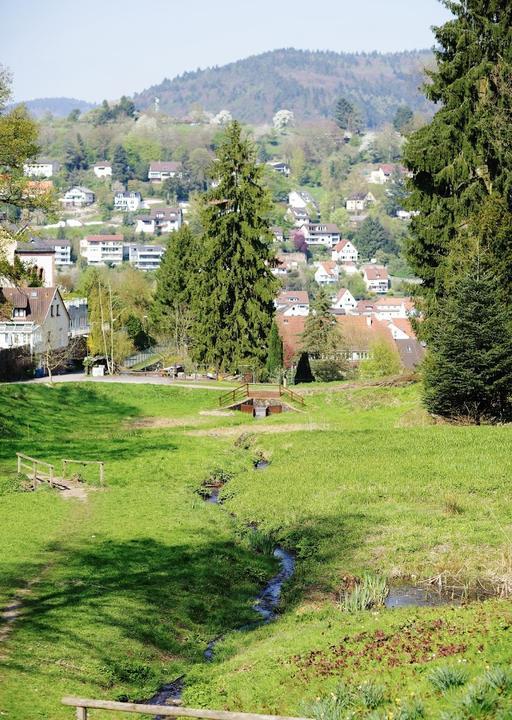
(265,604)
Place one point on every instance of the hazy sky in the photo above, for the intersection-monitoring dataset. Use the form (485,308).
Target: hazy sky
(106,48)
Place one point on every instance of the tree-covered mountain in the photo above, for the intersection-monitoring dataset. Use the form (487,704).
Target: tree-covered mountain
(309,83)
(60,107)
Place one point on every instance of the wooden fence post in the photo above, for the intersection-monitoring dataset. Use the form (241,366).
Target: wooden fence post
(81,713)
(51,475)
(19,465)
(64,468)
(34,473)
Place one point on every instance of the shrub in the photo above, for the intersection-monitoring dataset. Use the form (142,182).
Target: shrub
(444,678)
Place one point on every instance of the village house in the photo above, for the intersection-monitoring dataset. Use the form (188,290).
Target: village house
(292,303)
(39,254)
(376,278)
(388,308)
(301,199)
(344,251)
(289,262)
(344,300)
(360,334)
(62,250)
(327,273)
(160,220)
(41,168)
(381,175)
(278,233)
(102,169)
(160,171)
(326,234)
(297,216)
(127,201)
(102,249)
(280,167)
(357,202)
(145,257)
(35,318)
(78,197)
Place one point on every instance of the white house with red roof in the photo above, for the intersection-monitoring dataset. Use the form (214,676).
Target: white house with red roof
(344,300)
(292,303)
(160,171)
(344,251)
(389,308)
(326,234)
(376,279)
(327,273)
(400,329)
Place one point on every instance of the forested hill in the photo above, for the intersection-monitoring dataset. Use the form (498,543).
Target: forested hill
(60,107)
(306,82)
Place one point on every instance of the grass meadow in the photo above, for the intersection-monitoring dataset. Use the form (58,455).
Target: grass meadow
(124,591)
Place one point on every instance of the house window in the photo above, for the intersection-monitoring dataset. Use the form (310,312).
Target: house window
(51,310)
(58,311)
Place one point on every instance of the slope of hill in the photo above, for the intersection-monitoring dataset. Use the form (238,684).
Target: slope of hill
(306,82)
(60,107)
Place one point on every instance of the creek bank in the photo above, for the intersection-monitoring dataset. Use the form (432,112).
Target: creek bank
(265,604)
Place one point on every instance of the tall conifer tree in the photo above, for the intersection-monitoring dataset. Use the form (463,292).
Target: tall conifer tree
(468,371)
(236,288)
(462,160)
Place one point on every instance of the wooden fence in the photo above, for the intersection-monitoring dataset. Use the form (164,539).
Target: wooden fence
(33,464)
(82,705)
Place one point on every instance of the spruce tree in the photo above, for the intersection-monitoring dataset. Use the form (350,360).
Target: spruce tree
(468,370)
(176,278)
(323,341)
(372,236)
(275,351)
(120,168)
(462,160)
(236,289)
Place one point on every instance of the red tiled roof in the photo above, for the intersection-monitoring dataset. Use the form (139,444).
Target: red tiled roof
(104,238)
(375,272)
(289,297)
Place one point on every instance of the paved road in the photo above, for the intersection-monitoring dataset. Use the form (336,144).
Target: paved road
(132,379)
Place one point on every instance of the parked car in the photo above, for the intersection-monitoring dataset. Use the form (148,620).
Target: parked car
(173,370)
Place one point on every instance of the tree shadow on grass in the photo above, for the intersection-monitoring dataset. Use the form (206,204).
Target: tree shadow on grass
(56,413)
(168,600)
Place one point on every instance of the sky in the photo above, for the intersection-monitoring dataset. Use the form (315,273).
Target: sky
(106,48)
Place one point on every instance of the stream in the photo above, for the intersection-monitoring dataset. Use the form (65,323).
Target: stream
(265,604)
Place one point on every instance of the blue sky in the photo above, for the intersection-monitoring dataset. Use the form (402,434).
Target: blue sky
(106,48)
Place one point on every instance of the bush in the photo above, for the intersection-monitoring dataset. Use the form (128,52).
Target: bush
(327,370)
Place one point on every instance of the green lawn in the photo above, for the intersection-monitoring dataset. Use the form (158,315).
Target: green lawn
(133,583)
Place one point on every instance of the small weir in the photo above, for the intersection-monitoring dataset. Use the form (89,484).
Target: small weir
(265,604)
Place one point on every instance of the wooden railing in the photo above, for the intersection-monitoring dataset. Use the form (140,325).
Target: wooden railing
(82,705)
(248,390)
(33,465)
(99,463)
